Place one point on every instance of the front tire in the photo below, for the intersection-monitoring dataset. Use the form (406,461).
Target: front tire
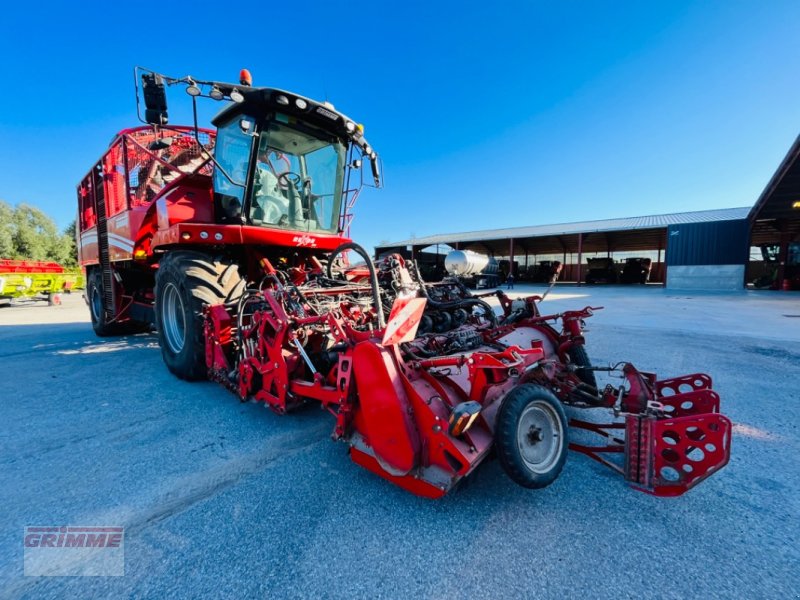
(186,282)
(531,436)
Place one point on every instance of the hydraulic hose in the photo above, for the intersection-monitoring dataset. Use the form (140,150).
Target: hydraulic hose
(373,277)
(455,303)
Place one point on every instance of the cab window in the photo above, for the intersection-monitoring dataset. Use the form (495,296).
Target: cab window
(232,153)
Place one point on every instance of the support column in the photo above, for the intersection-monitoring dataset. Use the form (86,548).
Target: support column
(783,256)
(580,256)
(511,256)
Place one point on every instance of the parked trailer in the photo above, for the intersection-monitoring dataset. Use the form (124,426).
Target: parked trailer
(37,279)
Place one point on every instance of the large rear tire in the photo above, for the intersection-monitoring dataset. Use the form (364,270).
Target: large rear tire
(102,327)
(94,294)
(531,436)
(186,282)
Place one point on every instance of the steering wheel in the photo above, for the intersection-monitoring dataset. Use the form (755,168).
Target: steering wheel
(290,177)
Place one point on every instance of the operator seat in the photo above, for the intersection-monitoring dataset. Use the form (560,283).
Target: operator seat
(269,203)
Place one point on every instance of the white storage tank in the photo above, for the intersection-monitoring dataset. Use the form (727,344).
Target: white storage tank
(463,263)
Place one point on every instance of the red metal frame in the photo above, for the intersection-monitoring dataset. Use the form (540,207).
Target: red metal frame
(29,266)
(394,411)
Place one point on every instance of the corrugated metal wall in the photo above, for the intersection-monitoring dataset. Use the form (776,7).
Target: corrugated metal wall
(714,243)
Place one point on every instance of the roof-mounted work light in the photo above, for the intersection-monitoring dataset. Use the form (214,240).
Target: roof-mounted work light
(193,89)
(216,93)
(236,96)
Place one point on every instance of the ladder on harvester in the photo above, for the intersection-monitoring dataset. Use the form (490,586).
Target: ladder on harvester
(109,304)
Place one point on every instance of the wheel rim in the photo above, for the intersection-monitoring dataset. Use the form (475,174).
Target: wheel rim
(173,319)
(97,305)
(539,437)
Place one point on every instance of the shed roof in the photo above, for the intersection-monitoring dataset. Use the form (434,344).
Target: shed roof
(774,211)
(648,222)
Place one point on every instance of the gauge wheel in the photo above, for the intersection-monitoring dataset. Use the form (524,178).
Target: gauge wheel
(531,436)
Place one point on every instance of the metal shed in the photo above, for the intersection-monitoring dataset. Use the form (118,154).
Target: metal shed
(644,233)
(707,255)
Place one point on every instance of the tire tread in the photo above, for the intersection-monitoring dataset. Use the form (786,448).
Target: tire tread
(202,280)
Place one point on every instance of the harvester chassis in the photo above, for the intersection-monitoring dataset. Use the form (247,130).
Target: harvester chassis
(235,244)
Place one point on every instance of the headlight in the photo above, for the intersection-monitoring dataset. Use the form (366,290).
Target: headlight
(300,103)
(282,100)
(350,127)
(463,416)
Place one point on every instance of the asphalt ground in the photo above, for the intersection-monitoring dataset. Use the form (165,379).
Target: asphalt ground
(223,499)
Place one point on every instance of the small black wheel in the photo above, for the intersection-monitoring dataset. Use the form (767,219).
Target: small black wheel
(100,323)
(187,281)
(94,294)
(531,436)
(579,357)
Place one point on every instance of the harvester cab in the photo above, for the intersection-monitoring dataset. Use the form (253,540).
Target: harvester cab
(280,160)
(232,243)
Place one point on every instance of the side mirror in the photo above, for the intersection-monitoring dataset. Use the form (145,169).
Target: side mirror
(155,99)
(376,171)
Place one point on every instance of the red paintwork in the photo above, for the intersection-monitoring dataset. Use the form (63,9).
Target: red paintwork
(29,266)
(683,452)
(134,180)
(394,413)
(159,199)
(244,235)
(157,212)
(687,437)
(384,418)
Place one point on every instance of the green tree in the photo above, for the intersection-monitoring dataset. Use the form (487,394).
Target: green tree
(70,246)
(6,231)
(35,235)
(28,233)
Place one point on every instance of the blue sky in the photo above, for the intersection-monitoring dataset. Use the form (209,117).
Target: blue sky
(516,114)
